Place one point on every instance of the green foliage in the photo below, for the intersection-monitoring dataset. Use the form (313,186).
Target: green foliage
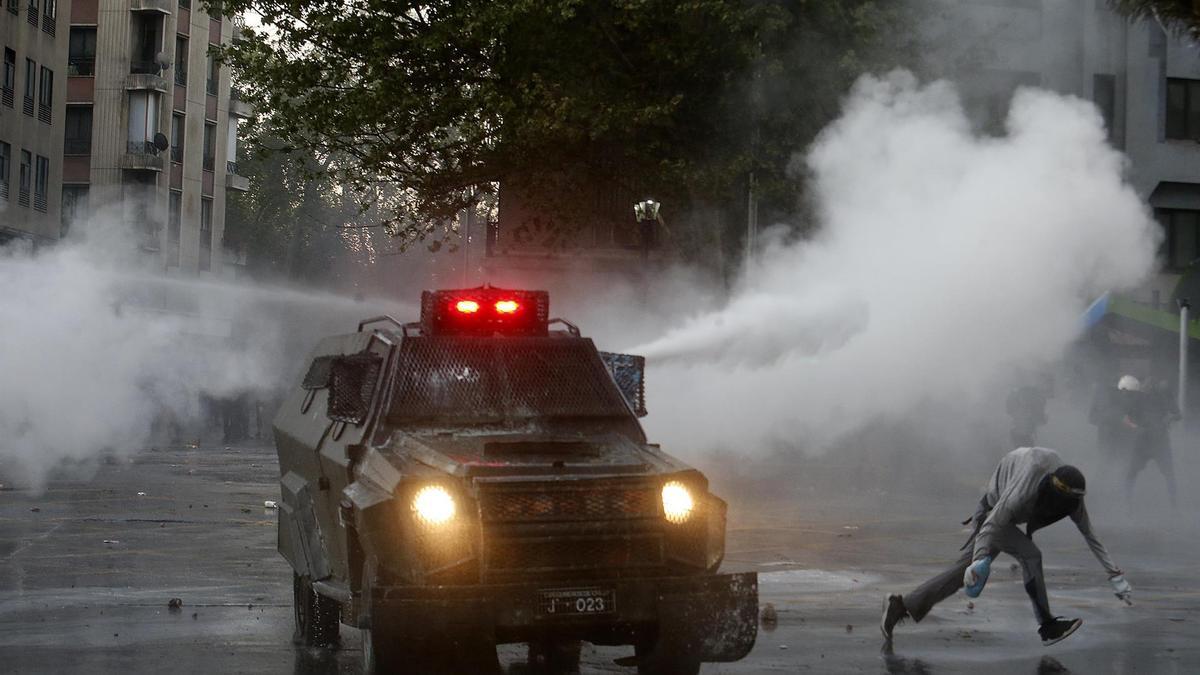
(1181,16)
(440,99)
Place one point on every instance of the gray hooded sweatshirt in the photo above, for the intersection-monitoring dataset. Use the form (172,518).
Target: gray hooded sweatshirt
(1011,494)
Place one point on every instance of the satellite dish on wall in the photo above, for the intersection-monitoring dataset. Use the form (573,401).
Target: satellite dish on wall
(161,142)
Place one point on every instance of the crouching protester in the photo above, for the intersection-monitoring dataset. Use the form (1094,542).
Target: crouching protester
(1031,487)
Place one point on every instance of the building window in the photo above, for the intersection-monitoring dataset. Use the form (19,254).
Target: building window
(174,226)
(30,85)
(26,178)
(74,207)
(181,60)
(205,234)
(41,183)
(50,16)
(143,122)
(81,59)
(214,74)
(5,161)
(46,95)
(10,77)
(1181,243)
(147,43)
(177,138)
(210,146)
(78,134)
(1183,109)
(14,7)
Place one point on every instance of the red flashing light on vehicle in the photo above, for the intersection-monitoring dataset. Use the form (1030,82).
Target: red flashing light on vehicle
(507,306)
(485,311)
(467,306)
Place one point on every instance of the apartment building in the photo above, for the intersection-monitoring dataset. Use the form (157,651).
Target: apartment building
(150,132)
(32,104)
(1144,80)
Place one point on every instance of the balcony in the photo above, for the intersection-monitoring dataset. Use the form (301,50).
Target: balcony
(238,107)
(81,66)
(77,147)
(161,6)
(233,181)
(141,156)
(147,82)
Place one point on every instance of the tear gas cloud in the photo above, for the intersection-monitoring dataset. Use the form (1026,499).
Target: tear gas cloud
(98,353)
(944,259)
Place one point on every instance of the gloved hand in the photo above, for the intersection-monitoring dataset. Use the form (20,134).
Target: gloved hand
(1122,589)
(977,575)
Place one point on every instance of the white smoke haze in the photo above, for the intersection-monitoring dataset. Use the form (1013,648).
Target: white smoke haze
(944,260)
(98,350)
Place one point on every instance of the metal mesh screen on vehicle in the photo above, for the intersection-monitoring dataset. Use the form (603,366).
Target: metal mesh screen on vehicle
(573,553)
(317,376)
(629,372)
(472,379)
(351,385)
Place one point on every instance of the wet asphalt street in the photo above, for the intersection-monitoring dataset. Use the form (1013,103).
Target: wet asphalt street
(87,570)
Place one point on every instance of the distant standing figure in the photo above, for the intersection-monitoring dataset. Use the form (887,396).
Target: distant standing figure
(1150,415)
(1027,407)
(1107,414)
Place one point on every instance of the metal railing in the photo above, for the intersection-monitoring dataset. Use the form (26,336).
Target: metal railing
(23,197)
(7,96)
(4,190)
(82,66)
(27,108)
(49,25)
(231,167)
(39,201)
(141,148)
(181,76)
(44,112)
(209,163)
(31,14)
(77,146)
(144,67)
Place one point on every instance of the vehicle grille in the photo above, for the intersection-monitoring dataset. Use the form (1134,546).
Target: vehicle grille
(576,504)
(574,554)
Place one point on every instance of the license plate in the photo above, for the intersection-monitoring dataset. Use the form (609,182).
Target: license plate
(578,601)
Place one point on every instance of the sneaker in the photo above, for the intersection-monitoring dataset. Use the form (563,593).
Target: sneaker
(1058,629)
(893,613)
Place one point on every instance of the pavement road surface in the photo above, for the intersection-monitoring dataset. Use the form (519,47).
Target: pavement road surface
(87,568)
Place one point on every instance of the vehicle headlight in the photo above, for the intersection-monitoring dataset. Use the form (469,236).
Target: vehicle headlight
(433,505)
(677,502)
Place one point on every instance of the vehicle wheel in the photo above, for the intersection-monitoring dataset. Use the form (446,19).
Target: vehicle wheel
(317,617)
(653,659)
(554,656)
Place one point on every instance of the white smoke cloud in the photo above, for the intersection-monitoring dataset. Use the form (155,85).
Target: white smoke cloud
(97,350)
(944,259)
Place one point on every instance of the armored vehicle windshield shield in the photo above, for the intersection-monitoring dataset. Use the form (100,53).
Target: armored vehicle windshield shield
(476,478)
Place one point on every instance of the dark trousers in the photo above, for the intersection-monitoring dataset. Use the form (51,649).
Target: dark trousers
(1158,450)
(1013,542)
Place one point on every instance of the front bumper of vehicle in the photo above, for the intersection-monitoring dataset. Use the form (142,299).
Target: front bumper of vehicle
(713,615)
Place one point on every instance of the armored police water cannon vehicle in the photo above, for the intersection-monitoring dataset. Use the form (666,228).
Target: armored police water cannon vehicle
(477,478)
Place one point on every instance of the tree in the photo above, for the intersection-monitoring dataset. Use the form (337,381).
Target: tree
(1182,16)
(440,99)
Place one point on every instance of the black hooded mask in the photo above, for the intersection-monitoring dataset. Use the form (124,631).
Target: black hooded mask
(1059,495)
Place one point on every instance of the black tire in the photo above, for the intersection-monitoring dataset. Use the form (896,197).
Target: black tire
(554,657)
(654,659)
(317,617)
